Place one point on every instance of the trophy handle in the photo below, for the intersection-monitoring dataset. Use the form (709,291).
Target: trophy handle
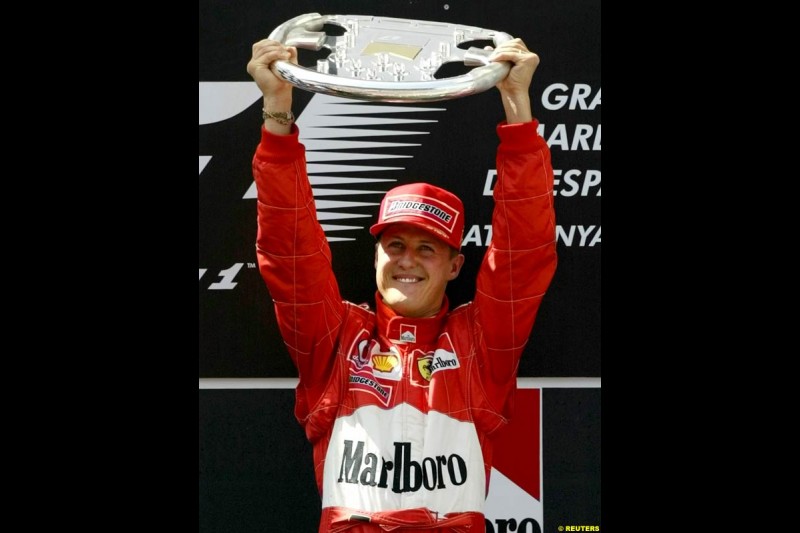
(388,59)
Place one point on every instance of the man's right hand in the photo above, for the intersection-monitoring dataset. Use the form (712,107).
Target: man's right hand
(265,52)
(277,92)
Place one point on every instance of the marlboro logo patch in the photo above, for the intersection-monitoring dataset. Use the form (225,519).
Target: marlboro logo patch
(408,333)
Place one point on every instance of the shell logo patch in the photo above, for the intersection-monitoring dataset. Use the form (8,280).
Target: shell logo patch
(384,362)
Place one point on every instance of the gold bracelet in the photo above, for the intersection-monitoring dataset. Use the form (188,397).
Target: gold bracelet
(280,117)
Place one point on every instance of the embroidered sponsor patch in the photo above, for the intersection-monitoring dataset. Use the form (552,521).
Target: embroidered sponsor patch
(429,364)
(363,381)
(367,359)
(431,209)
(384,362)
(424,367)
(443,358)
(408,333)
(358,352)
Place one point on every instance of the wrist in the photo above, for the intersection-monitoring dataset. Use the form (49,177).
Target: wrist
(276,112)
(277,101)
(517,107)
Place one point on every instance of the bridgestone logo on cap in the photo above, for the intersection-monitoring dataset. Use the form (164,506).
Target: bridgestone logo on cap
(428,208)
(407,206)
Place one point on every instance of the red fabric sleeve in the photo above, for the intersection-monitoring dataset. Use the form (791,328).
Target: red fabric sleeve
(520,262)
(295,262)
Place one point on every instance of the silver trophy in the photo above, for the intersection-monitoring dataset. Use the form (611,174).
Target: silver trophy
(387,59)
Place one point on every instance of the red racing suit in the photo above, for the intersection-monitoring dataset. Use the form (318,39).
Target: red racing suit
(400,411)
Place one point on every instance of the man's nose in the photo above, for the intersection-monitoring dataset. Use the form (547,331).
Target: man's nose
(407,258)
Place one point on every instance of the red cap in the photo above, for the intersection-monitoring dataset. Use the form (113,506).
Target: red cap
(426,206)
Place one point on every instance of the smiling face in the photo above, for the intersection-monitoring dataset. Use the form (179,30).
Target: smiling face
(412,268)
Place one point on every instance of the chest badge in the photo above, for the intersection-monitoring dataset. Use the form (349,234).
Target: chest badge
(408,333)
(424,366)
(443,358)
(384,362)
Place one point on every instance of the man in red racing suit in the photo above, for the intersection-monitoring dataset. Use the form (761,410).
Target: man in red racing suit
(400,402)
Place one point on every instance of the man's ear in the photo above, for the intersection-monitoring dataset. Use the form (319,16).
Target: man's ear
(375,262)
(455,266)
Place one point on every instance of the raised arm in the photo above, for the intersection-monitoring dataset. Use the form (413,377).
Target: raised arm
(294,257)
(520,262)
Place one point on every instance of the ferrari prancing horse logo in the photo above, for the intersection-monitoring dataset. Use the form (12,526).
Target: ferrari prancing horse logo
(424,366)
(443,358)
